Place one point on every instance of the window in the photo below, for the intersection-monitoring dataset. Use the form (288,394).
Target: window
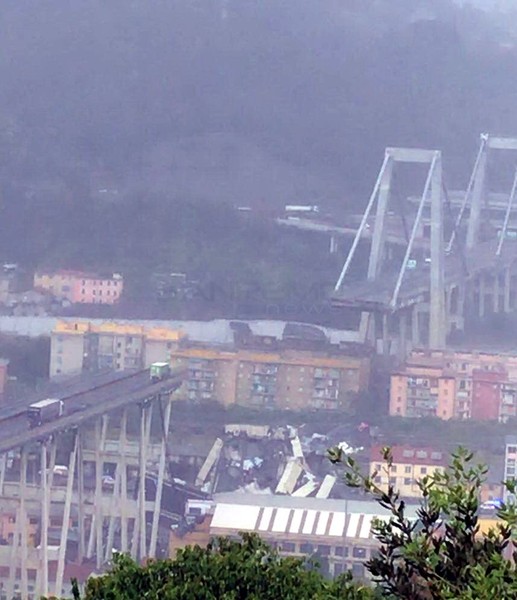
(83,291)
(407,469)
(359,552)
(306,548)
(288,547)
(94,292)
(423,470)
(340,551)
(407,480)
(393,480)
(323,550)
(512,449)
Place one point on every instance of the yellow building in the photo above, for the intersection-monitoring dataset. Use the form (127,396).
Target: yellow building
(409,466)
(81,345)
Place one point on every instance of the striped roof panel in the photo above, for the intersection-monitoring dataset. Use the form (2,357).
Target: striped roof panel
(238,517)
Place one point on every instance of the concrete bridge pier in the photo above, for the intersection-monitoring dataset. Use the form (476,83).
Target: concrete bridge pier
(507,291)
(416,337)
(481,295)
(455,307)
(334,245)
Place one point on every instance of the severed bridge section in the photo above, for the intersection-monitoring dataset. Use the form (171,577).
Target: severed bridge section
(418,297)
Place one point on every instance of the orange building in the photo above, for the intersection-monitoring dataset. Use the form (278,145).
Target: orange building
(79,287)
(449,384)
(274,375)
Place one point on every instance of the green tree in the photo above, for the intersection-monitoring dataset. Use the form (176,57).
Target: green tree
(442,554)
(247,569)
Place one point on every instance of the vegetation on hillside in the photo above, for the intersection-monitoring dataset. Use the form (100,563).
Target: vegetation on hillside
(239,103)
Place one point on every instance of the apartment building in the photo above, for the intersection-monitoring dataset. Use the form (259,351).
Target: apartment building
(77,346)
(80,287)
(272,374)
(455,385)
(409,466)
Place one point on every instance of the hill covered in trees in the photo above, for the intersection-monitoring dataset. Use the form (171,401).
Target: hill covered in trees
(109,111)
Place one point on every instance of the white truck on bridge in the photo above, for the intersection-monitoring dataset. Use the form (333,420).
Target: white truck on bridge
(45,411)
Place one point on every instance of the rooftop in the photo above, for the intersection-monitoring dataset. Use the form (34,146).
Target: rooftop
(317,504)
(113,327)
(411,455)
(298,516)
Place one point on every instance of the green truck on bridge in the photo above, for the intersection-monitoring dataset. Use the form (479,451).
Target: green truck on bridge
(159,371)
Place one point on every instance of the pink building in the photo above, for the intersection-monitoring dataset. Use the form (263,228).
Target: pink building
(93,289)
(79,287)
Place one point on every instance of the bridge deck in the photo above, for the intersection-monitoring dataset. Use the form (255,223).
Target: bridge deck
(122,392)
(376,295)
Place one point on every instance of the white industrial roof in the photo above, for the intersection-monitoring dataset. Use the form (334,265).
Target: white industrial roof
(294,521)
(334,505)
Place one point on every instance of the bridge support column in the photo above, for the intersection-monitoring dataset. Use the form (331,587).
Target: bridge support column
(385,335)
(477,196)
(496,292)
(66,519)
(481,288)
(3,468)
(14,555)
(161,472)
(45,506)
(437,317)
(462,291)
(123,485)
(24,522)
(138,545)
(99,467)
(507,290)
(415,328)
(402,347)
(80,496)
